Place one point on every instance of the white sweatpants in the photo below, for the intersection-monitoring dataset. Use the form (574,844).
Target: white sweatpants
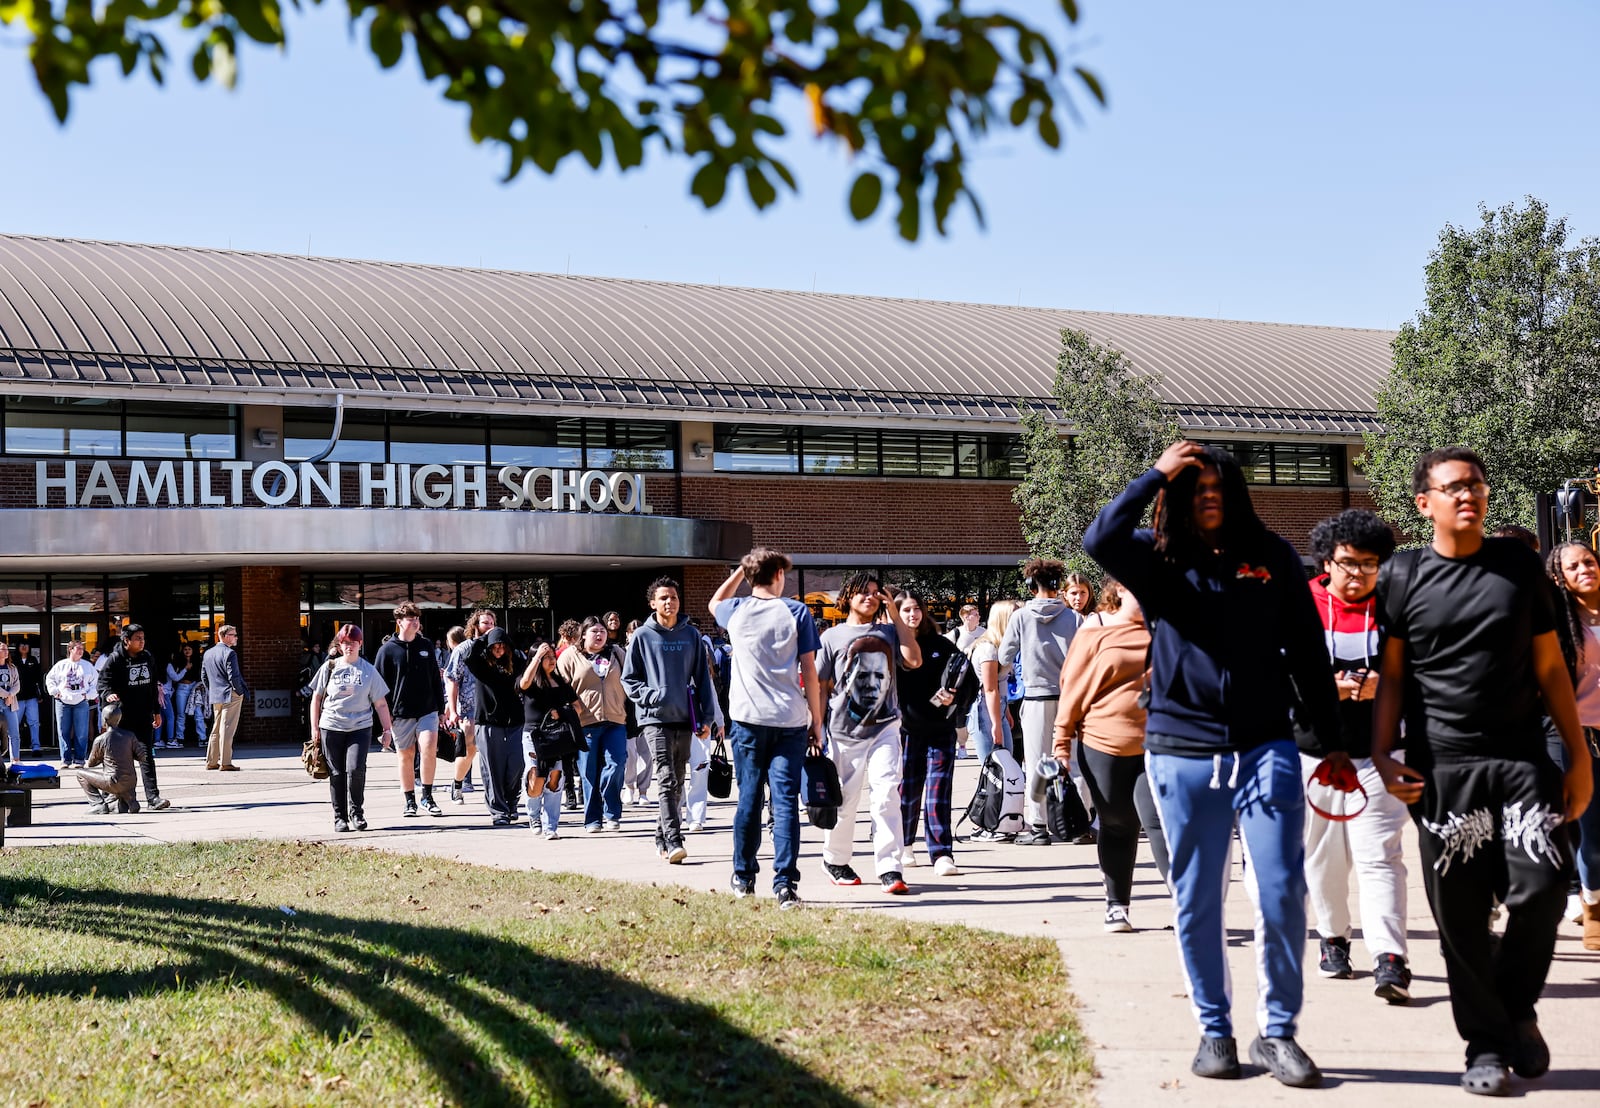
(698,791)
(873,764)
(1038,737)
(1370,845)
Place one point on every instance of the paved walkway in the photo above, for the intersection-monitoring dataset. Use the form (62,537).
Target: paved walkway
(1129,985)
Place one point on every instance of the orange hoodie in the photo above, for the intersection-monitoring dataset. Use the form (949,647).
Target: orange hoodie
(1100,684)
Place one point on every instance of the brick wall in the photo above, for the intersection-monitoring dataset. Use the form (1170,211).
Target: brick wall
(263,602)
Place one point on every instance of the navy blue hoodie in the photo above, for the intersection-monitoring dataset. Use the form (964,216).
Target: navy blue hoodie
(1232,636)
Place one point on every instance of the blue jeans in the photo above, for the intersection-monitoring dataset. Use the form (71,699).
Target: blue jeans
(72,728)
(29,710)
(192,702)
(1200,800)
(602,767)
(168,716)
(768,756)
(544,811)
(981,731)
(12,719)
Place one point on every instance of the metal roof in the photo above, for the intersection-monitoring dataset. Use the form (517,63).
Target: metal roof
(272,328)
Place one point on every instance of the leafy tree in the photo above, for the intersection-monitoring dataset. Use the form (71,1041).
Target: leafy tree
(1504,358)
(904,86)
(1119,428)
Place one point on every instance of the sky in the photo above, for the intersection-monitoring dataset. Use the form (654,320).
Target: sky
(1258,160)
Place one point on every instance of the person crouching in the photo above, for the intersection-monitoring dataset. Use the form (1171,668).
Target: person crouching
(111,775)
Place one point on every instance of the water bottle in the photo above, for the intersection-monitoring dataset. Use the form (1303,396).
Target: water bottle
(1044,773)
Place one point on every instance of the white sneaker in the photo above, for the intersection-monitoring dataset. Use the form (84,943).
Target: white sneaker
(908,860)
(695,827)
(1117,919)
(552,835)
(946,867)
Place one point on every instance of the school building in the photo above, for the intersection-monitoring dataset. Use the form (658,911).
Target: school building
(196,436)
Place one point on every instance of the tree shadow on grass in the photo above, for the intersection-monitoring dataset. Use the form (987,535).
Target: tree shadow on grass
(323,968)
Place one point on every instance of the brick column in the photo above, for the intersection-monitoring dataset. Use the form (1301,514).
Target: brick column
(264,603)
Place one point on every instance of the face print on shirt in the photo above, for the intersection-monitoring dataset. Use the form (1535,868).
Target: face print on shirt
(867,680)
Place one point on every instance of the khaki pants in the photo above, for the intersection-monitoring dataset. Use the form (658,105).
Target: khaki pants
(224,720)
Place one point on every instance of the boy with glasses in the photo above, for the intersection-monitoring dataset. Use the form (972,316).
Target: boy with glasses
(1473,664)
(1351,548)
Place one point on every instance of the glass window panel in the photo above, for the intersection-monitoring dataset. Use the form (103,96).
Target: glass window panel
(822,589)
(613,445)
(306,431)
(1306,464)
(64,426)
(381,594)
(434,594)
(937,455)
(900,454)
(429,439)
(482,594)
(171,430)
(1003,456)
(69,594)
(21,594)
(528,592)
(751,448)
(332,593)
(535,441)
(1254,458)
(841,452)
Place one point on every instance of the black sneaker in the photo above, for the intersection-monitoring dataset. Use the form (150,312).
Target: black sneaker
(894,884)
(358,820)
(1036,836)
(1088,838)
(1531,1057)
(340,824)
(1216,1058)
(1487,1079)
(455,793)
(841,875)
(158,804)
(1391,979)
(1335,960)
(741,888)
(410,808)
(788,898)
(1284,1059)
(431,806)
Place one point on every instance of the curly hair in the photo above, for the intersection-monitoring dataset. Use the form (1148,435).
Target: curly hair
(853,584)
(1176,537)
(662,583)
(1356,528)
(1569,629)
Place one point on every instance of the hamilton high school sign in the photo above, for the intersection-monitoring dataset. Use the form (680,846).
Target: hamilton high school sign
(235,484)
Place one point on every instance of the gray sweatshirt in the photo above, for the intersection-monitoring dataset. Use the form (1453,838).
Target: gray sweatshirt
(660,667)
(1040,631)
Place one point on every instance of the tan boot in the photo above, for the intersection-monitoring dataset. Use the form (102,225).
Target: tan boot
(1591,925)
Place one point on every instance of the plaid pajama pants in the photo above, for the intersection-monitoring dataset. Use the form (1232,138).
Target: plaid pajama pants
(927,774)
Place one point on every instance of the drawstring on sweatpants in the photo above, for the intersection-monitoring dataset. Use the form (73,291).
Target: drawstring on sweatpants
(1216,772)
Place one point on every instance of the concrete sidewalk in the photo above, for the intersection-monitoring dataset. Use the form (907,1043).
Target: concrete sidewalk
(1130,986)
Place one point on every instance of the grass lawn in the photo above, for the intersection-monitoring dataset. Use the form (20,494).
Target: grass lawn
(295,973)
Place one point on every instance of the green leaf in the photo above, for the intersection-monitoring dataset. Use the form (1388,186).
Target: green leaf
(762,193)
(710,183)
(865,196)
(387,39)
(1091,82)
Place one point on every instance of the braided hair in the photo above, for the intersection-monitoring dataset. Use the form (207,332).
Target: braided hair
(1569,628)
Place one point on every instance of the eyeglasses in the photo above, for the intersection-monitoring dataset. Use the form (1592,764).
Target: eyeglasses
(1457,489)
(1365,569)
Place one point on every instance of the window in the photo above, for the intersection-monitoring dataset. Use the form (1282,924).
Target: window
(749,448)
(306,432)
(64,426)
(841,452)
(427,439)
(612,444)
(171,430)
(535,441)
(1279,463)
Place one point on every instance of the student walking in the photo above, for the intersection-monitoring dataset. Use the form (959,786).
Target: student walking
(1351,547)
(1232,629)
(1472,652)
(775,713)
(345,694)
(460,694)
(1039,634)
(989,721)
(497,710)
(129,678)
(409,664)
(1575,570)
(857,668)
(1099,726)
(594,671)
(929,712)
(73,683)
(666,675)
(550,732)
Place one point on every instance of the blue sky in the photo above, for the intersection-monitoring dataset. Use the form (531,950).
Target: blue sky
(1258,160)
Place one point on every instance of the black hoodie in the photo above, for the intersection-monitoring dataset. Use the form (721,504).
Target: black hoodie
(132,680)
(411,670)
(497,703)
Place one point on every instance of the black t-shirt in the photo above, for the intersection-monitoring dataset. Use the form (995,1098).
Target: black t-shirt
(1468,625)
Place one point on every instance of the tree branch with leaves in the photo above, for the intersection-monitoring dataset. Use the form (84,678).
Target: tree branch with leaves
(908,89)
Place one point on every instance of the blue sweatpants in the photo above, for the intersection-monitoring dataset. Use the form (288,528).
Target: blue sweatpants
(1200,800)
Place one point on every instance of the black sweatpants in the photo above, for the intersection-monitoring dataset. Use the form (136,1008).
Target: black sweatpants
(1122,800)
(142,727)
(1487,828)
(346,752)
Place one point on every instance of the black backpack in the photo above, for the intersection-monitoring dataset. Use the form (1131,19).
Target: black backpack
(961,678)
(820,791)
(1064,814)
